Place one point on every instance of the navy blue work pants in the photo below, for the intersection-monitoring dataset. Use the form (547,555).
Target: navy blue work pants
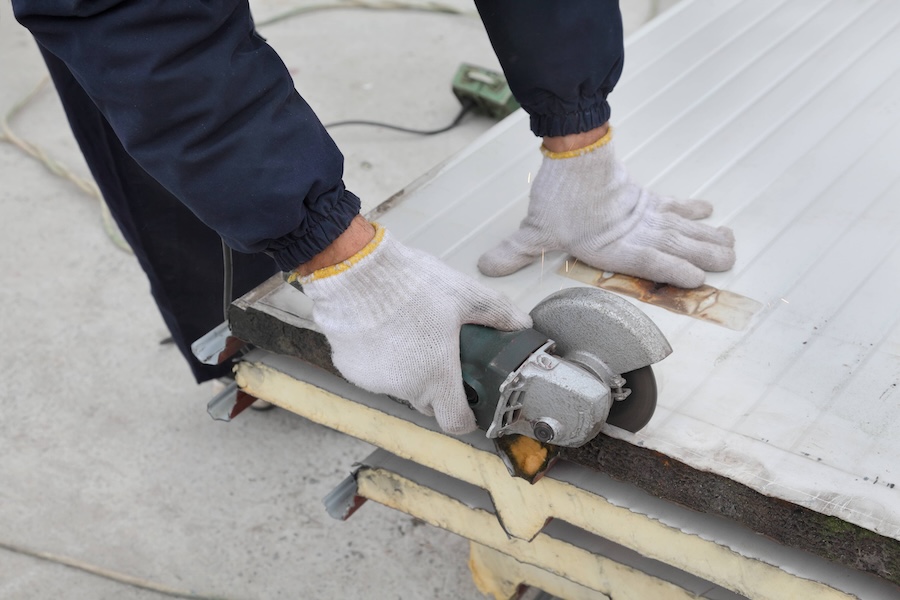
(181,256)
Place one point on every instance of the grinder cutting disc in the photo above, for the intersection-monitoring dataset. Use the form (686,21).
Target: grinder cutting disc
(635,411)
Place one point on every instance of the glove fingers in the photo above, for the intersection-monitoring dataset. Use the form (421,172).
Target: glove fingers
(648,263)
(708,256)
(443,395)
(425,409)
(492,309)
(452,413)
(689,209)
(515,252)
(722,236)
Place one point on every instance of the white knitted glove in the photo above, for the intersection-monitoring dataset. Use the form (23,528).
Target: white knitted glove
(392,315)
(584,203)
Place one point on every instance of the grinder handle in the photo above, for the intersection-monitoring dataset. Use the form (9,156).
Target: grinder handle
(488,356)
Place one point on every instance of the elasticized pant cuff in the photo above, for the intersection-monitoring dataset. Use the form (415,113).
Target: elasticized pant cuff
(300,246)
(554,125)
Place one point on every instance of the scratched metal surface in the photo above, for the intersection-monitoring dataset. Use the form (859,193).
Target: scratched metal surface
(786,115)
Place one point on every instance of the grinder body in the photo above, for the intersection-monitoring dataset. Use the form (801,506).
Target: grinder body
(585,363)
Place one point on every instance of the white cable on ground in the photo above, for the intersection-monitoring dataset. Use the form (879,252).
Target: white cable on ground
(107,573)
(57,168)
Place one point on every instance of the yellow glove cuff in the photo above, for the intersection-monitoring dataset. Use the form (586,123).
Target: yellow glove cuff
(340,267)
(580,151)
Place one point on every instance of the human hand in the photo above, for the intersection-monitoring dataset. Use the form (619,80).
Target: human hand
(392,315)
(584,203)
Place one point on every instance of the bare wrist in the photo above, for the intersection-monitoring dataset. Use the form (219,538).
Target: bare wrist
(355,237)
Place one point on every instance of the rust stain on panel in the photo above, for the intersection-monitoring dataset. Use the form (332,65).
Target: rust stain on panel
(705,302)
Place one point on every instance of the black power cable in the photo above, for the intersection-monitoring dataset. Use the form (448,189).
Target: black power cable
(466,109)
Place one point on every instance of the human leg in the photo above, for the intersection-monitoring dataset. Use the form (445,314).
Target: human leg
(181,256)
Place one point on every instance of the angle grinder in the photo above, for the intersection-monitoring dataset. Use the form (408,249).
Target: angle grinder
(585,362)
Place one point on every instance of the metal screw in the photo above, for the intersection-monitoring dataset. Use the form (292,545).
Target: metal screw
(543,431)
(618,392)
(546,362)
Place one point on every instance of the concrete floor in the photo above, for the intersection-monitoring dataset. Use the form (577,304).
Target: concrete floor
(109,458)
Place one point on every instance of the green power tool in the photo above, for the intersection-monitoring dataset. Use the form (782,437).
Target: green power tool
(585,362)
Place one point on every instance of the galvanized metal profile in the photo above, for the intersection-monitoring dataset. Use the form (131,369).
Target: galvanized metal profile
(344,500)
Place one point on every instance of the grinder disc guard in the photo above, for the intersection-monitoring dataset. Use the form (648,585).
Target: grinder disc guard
(635,411)
(613,340)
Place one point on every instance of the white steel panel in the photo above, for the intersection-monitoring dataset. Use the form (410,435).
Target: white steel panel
(786,115)
(714,38)
(682,21)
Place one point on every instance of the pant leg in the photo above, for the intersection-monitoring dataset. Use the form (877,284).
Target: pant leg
(181,256)
(561,58)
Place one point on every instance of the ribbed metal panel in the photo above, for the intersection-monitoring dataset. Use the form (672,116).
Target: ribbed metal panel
(785,115)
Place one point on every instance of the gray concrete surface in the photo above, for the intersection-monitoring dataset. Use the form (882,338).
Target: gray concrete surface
(109,458)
